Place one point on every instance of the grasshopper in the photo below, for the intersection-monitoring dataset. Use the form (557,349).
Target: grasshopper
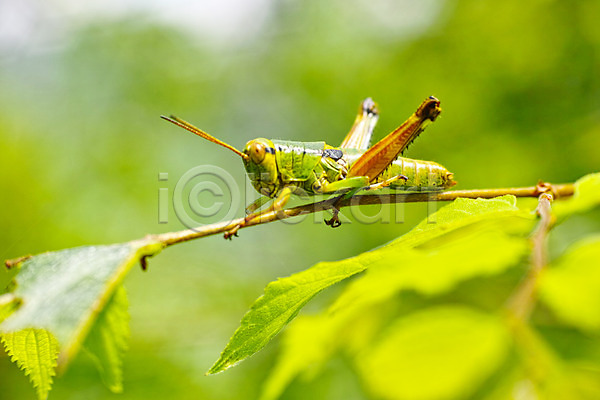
(280,168)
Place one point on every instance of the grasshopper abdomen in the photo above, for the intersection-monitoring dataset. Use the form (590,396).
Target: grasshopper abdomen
(422,175)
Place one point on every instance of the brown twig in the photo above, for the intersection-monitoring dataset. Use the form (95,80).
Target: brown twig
(16,261)
(520,304)
(171,238)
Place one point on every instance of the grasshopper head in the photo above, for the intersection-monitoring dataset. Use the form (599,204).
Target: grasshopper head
(260,164)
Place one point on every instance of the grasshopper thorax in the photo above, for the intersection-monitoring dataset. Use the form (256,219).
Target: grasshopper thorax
(261,165)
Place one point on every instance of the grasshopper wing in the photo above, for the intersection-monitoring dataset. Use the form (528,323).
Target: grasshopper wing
(360,134)
(377,158)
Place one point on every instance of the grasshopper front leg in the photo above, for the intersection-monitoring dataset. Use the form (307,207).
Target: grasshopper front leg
(257,204)
(278,203)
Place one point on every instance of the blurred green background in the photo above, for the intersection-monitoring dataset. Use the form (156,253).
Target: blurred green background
(82,86)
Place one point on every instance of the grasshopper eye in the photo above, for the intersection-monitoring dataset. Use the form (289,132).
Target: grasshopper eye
(257,152)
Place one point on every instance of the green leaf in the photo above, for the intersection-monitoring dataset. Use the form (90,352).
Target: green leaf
(108,338)
(285,297)
(438,353)
(312,339)
(64,291)
(432,258)
(35,351)
(549,376)
(436,269)
(571,285)
(464,209)
(566,381)
(585,197)
(430,272)
(461,212)
(306,344)
(472,238)
(278,306)
(586,380)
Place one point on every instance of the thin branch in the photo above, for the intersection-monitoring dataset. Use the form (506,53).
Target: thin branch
(563,190)
(521,302)
(16,261)
(338,202)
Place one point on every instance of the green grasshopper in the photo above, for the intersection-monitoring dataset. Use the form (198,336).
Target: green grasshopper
(280,168)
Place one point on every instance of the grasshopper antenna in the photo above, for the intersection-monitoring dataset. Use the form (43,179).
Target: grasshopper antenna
(187,126)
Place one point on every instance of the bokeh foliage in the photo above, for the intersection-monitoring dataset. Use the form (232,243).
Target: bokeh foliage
(82,147)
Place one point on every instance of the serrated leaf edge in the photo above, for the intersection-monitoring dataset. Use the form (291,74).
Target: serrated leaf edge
(145,248)
(44,385)
(120,343)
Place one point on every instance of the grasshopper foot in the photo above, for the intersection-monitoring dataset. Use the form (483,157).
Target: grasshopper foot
(231,233)
(334,222)
(144,263)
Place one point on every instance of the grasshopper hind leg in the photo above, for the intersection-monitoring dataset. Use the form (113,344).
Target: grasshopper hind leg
(387,182)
